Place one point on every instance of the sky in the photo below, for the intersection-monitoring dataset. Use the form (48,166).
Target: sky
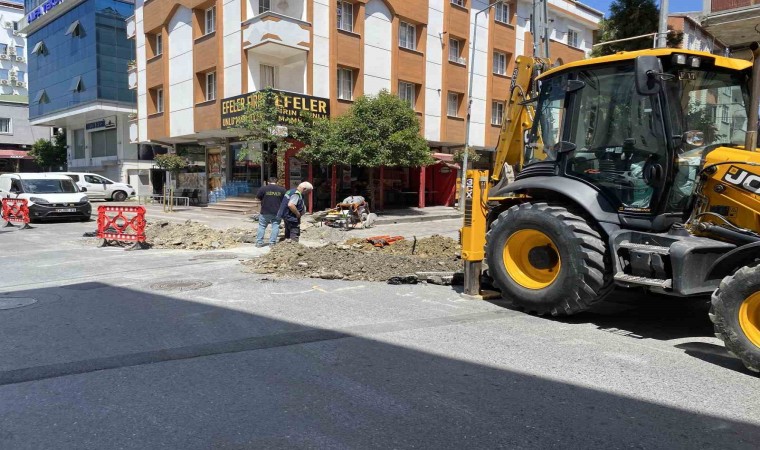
(674,5)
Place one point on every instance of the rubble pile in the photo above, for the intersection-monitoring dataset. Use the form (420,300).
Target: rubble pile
(194,236)
(358,260)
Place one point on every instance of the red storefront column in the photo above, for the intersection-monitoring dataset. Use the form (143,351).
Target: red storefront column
(311,196)
(422,187)
(334,187)
(381,205)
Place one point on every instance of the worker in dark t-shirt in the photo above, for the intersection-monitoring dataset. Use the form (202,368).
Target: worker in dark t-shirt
(270,197)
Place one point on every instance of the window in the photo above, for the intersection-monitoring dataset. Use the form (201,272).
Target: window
(4,48)
(19,50)
(497,113)
(73,176)
(268,79)
(5,125)
(41,97)
(572,38)
(501,13)
(455,48)
(210,86)
(345,16)
(264,6)
(20,74)
(724,114)
(4,74)
(452,107)
(210,20)
(92,179)
(76,84)
(458,3)
(406,93)
(78,139)
(75,29)
(345,84)
(104,143)
(159,44)
(159,100)
(500,63)
(407,36)
(39,48)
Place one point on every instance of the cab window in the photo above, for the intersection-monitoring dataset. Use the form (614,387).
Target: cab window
(93,179)
(547,128)
(73,177)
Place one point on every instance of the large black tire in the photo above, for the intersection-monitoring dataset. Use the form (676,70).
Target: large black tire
(583,270)
(725,312)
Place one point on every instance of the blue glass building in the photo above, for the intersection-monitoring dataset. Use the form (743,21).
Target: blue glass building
(78,57)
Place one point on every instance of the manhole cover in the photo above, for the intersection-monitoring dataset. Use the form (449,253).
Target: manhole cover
(16,302)
(180,285)
(216,256)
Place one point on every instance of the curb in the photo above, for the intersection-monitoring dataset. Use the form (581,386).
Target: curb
(380,221)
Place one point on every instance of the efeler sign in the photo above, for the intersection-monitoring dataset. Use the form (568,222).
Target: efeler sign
(41,10)
(289,107)
(105,123)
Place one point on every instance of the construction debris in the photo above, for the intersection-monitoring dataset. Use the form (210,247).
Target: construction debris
(195,236)
(360,260)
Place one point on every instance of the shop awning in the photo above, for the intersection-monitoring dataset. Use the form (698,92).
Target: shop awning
(447,159)
(14,154)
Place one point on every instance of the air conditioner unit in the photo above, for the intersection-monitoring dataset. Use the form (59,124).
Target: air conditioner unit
(8,24)
(4,82)
(15,32)
(12,52)
(20,84)
(13,78)
(19,59)
(3,56)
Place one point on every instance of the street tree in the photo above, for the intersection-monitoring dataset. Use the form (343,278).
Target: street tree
(376,131)
(630,18)
(50,154)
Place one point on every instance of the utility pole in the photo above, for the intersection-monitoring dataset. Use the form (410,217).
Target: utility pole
(662,31)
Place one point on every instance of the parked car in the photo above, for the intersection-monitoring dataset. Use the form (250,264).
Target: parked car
(48,195)
(99,187)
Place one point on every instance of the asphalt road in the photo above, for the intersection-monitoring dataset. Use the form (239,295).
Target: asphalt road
(109,352)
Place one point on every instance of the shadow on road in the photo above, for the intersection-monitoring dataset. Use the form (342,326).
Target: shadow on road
(97,366)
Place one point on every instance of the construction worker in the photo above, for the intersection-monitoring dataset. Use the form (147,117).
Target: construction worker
(292,209)
(270,197)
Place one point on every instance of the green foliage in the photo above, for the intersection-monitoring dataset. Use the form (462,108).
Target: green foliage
(50,154)
(170,162)
(376,131)
(629,18)
(472,156)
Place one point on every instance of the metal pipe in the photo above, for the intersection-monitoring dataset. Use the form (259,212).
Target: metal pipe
(750,142)
(662,38)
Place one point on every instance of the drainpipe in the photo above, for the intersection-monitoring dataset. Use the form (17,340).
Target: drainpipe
(750,142)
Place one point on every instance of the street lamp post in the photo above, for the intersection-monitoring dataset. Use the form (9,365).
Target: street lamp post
(469,103)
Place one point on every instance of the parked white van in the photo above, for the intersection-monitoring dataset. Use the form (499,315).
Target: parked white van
(99,187)
(48,195)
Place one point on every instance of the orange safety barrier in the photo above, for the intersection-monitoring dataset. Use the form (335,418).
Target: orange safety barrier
(16,210)
(122,224)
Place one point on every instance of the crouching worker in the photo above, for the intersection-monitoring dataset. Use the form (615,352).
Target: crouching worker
(292,208)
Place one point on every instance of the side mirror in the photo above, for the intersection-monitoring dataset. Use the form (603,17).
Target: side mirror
(648,69)
(82,189)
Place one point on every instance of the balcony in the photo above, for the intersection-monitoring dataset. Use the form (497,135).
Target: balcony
(287,74)
(277,35)
(289,8)
(131,27)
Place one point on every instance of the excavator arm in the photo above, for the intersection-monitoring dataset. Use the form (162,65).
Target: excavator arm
(518,117)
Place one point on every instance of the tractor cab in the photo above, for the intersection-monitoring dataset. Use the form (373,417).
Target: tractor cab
(635,126)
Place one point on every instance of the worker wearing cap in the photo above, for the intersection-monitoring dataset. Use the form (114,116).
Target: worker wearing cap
(292,208)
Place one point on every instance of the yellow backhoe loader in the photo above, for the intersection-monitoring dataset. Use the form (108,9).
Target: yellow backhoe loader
(638,169)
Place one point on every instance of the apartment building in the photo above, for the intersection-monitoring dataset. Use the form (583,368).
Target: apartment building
(695,37)
(16,134)
(197,60)
(78,59)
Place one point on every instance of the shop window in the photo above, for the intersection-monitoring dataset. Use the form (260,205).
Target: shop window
(103,143)
(345,16)
(210,86)
(5,125)
(345,84)
(497,113)
(268,76)
(452,105)
(407,36)
(210,20)
(500,63)
(78,142)
(406,93)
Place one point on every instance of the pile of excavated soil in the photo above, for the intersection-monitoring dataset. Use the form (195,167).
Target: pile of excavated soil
(357,261)
(195,236)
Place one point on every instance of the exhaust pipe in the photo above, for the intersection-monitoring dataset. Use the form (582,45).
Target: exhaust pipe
(750,142)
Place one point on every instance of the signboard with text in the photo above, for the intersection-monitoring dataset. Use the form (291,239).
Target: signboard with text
(41,10)
(105,123)
(290,107)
